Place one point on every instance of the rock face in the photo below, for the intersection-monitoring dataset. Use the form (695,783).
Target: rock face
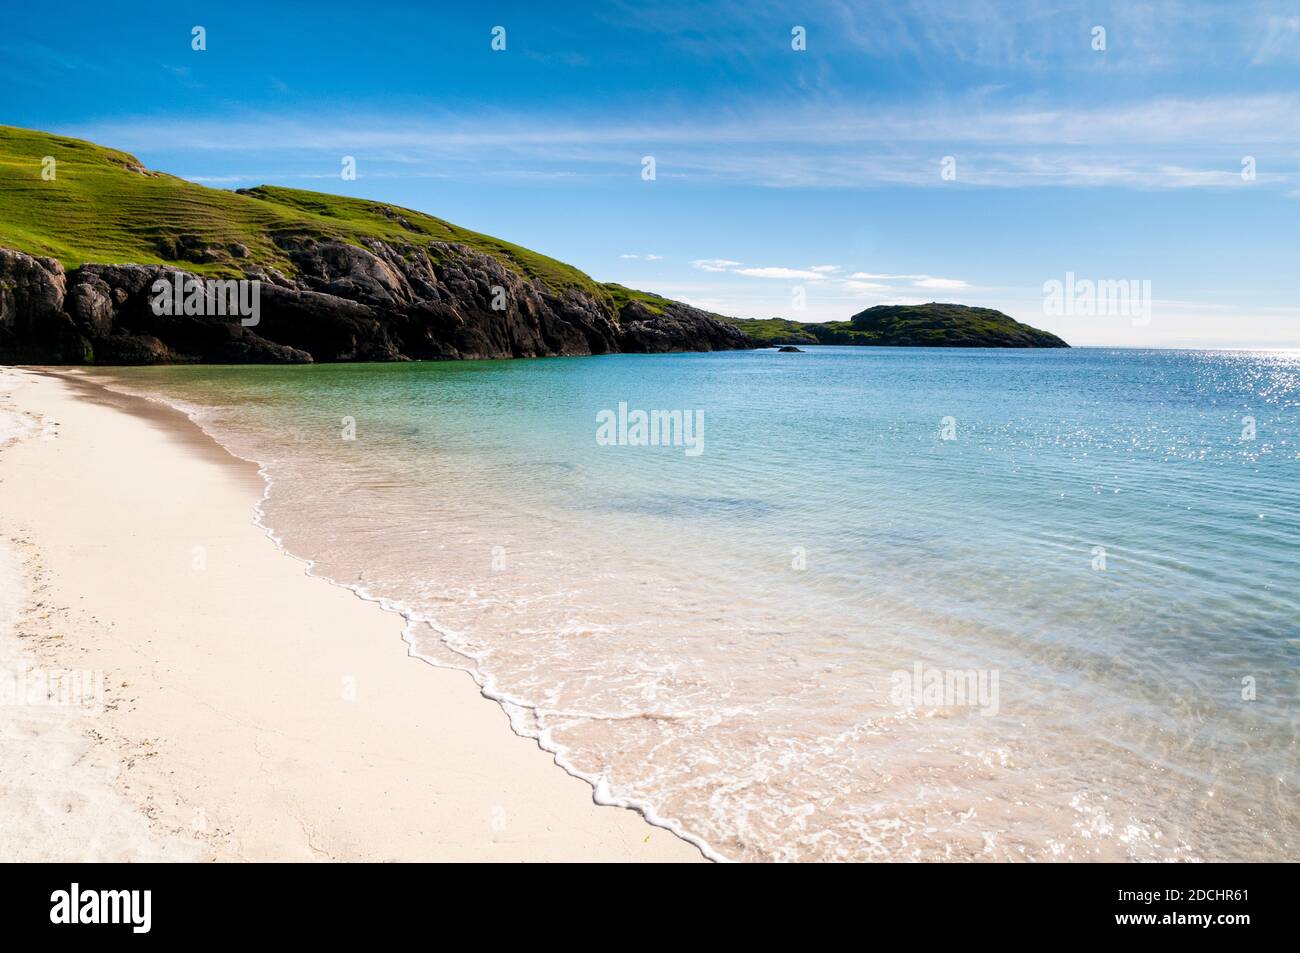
(678,328)
(381,302)
(32,293)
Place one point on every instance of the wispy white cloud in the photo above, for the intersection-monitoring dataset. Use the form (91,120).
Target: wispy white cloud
(856,285)
(1279,42)
(1162,143)
(917,281)
(1169,120)
(944,283)
(1047,36)
(805,274)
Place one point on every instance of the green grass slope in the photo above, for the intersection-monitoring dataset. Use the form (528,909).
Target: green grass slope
(623,296)
(921,325)
(103,206)
(773,331)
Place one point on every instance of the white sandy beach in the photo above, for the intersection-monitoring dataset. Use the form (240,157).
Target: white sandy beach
(252,712)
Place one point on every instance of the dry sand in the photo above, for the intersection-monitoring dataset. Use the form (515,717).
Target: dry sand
(252,712)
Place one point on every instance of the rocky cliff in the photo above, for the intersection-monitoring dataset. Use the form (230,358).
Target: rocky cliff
(87,230)
(375,301)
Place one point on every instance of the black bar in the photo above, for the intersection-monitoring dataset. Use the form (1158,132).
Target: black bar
(330,903)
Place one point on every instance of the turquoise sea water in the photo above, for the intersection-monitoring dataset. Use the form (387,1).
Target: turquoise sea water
(1105,541)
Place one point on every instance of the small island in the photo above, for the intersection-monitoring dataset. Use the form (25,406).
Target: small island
(911,325)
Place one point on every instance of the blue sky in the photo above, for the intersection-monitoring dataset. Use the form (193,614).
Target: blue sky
(780,174)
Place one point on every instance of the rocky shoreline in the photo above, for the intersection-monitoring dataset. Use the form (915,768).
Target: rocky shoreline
(374,301)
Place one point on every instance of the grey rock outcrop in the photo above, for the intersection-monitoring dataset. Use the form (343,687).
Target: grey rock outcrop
(381,302)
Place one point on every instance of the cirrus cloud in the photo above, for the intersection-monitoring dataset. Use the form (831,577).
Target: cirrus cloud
(807,274)
(940,283)
(857,283)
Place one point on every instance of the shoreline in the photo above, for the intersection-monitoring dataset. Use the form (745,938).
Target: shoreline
(327,747)
(150,405)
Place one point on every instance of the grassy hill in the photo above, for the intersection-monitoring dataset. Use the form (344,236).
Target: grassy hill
(921,325)
(103,206)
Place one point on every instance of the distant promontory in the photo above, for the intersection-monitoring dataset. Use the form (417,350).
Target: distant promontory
(906,325)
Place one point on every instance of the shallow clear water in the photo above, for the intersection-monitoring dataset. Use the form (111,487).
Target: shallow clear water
(1101,548)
